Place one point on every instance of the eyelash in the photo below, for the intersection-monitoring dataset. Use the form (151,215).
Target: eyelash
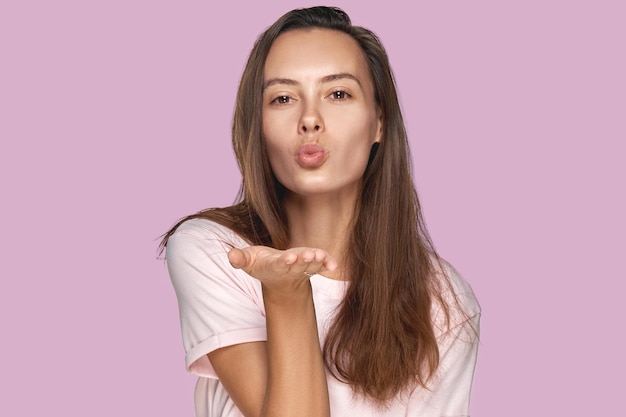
(283,100)
(334,94)
(279,100)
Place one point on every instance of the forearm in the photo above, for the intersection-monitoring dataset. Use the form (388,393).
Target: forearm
(296,383)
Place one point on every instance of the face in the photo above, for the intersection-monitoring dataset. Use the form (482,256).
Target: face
(319,115)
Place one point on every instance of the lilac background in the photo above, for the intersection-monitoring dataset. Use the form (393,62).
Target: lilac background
(114,122)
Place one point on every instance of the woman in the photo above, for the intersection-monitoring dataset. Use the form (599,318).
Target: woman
(319,293)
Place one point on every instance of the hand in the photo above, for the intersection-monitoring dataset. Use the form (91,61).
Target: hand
(282,270)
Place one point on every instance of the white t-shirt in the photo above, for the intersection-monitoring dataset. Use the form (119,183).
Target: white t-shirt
(223,306)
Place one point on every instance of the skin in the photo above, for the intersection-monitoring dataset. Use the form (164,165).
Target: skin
(317,90)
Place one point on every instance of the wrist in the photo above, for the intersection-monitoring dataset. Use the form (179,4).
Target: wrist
(294,296)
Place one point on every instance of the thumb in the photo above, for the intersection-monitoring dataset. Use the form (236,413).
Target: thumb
(238,258)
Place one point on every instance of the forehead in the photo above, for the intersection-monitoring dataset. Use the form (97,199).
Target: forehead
(315,52)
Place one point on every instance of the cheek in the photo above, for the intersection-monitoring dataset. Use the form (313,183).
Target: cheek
(359,133)
(352,154)
(271,136)
(361,123)
(277,130)
(275,155)
(279,157)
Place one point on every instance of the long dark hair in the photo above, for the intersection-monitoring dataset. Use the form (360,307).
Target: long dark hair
(391,261)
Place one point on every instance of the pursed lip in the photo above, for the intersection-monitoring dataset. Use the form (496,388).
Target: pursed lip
(311,155)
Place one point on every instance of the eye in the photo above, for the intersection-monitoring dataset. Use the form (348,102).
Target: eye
(339,95)
(282,100)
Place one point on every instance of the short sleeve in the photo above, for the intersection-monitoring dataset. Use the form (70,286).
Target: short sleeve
(219,305)
(450,388)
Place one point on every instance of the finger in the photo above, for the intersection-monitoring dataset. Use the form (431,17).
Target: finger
(238,258)
(295,260)
(330,264)
(316,263)
(312,261)
(324,261)
(288,258)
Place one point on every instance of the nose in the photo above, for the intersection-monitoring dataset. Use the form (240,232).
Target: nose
(311,120)
(313,128)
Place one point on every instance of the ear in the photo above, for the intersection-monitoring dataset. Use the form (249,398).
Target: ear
(379,127)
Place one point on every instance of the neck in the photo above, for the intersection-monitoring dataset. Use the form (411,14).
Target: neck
(323,222)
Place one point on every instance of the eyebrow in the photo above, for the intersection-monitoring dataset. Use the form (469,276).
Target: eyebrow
(324,79)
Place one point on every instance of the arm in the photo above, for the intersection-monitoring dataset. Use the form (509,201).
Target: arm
(284,376)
